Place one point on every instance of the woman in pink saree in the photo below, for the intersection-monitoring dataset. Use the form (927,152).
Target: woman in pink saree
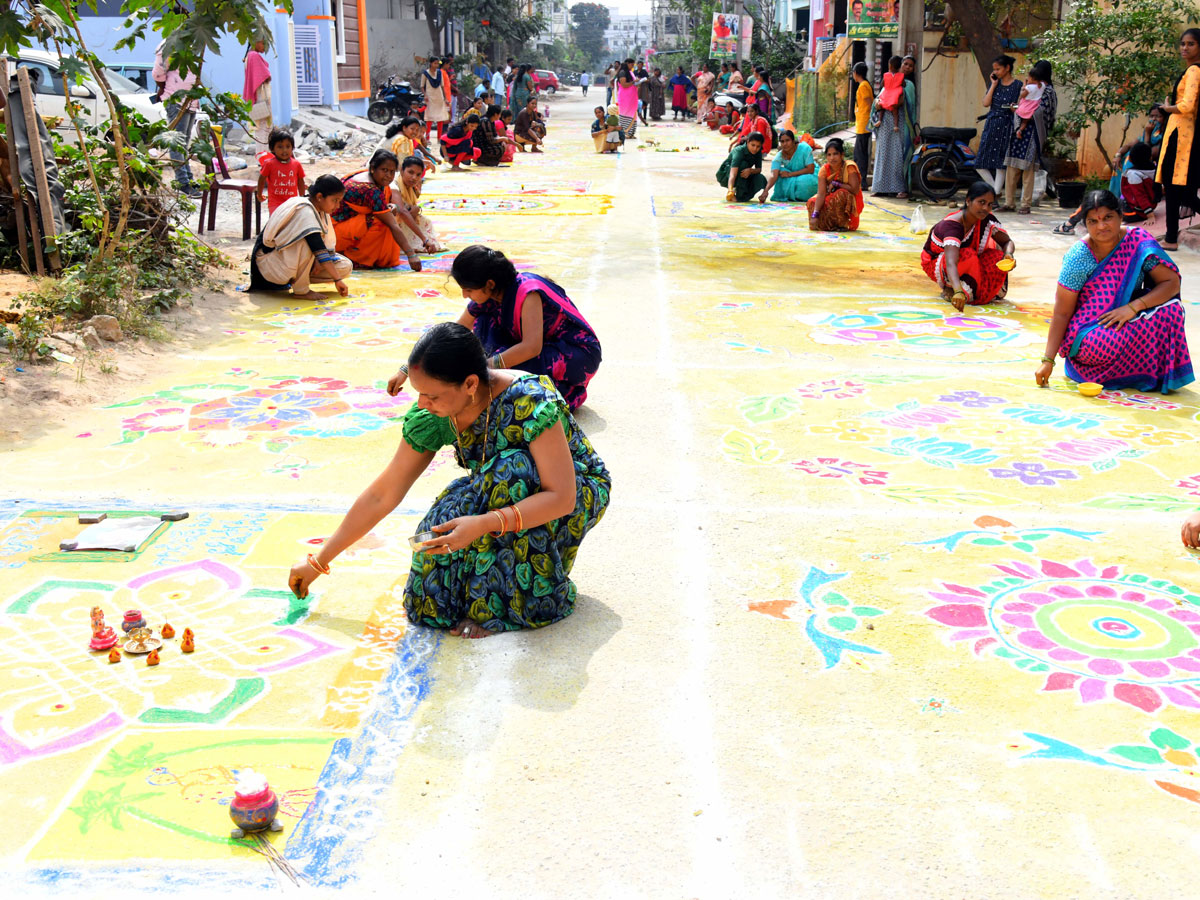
(1118,317)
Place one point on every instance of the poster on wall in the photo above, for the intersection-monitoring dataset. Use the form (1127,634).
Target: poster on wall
(873,19)
(725,30)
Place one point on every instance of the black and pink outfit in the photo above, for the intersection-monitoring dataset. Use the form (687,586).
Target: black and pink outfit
(570,349)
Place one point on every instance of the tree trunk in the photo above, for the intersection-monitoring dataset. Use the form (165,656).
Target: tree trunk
(433,17)
(981,33)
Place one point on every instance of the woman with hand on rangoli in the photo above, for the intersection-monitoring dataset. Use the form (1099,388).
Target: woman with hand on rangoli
(506,533)
(525,322)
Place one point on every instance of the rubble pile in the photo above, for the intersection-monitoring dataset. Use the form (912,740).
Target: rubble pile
(317,143)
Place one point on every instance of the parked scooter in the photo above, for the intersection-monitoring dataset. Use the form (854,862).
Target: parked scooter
(944,162)
(394,98)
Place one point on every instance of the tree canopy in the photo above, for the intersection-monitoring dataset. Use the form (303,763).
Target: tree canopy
(591,20)
(1116,60)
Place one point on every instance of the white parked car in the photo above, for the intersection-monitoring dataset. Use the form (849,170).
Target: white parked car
(46,80)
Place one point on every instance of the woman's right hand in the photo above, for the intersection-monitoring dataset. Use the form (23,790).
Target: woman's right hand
(1191,531)
(396,382)
(1043,373)
(301,577)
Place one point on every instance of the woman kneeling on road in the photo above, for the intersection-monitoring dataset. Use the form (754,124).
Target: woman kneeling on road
(506,533)
(297,246)
(969,254)
(741,173)
(524,321)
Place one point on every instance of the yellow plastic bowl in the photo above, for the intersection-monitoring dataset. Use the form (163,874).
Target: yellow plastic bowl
(1006,264)
(1090,388)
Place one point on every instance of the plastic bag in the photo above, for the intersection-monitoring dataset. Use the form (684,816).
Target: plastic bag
(917,223)
(1039,185)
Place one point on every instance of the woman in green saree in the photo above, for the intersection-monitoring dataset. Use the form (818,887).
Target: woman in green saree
(505,535)
(741,173)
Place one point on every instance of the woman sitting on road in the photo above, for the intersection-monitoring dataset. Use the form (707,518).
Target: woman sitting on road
(1118,318)
(507,532)
(406,139)
(491,146)
(458,143)
(792,171)
(839,200)
(503,123)
(741,173)
(729,120)
(366,223)
(297,246)
(409,183)
(752,123)
(525,322)
(965,252)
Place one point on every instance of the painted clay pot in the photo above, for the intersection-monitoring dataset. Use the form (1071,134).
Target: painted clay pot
(133,619)
(254,811)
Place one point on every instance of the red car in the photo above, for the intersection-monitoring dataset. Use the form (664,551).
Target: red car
(545,80)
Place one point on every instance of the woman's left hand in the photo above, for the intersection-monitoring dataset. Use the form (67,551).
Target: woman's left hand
(457,534)
(1115,318)
(342,288)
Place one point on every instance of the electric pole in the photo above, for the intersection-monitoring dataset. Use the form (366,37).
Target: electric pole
(739,10)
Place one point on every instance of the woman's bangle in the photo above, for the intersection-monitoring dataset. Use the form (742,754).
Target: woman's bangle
(404,368)
(503,524)
(520,519)
(318,567)
(1048,359)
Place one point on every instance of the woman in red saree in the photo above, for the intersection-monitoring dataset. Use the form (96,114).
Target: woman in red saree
(367,231)
(965,252)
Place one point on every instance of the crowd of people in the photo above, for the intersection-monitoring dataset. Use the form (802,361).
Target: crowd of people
(501,384)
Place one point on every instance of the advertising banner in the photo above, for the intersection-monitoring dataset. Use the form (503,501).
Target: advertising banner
(873,19)
(725,32)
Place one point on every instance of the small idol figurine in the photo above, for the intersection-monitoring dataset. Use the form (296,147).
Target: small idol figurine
(103,636)
(188,644)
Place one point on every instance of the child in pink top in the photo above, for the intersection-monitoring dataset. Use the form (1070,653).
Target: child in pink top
(280,176)
(1031,96)
(893,91)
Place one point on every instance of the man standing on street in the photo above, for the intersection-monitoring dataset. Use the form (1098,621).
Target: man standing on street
(863,98)
(170,83)
(584,80)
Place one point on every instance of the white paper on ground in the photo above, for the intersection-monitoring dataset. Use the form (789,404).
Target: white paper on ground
(125,534)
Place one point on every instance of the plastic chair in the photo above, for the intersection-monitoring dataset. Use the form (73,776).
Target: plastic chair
(243,186)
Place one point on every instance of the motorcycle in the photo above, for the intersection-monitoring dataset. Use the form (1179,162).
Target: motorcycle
(394,98)
(945,162)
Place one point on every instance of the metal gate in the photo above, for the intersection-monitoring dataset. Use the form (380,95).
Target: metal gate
(308,65)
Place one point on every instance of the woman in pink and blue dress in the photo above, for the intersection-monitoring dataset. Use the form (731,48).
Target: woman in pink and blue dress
(525,322)
(1118,317)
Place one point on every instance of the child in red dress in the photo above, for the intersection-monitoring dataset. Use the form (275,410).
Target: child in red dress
(280,176)
(892,92)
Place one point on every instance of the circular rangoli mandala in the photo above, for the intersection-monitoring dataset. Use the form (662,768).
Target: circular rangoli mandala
(1093,630)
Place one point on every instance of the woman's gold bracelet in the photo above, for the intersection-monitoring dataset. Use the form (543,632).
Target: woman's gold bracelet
(1048,359)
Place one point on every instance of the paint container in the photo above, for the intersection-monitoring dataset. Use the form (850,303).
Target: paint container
(418,539)
(254,804)
(1007,264)
(1090,388)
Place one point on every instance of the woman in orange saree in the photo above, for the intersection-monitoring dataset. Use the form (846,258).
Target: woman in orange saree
(368,232)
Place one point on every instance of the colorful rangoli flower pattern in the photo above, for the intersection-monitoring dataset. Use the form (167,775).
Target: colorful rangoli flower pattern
(832,467)
(832,389)
(1034,474)
(1089,629)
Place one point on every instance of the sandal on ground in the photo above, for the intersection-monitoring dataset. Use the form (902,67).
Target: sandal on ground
(1024,211)
(1065,228)
(1167,245)
(1006,208)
